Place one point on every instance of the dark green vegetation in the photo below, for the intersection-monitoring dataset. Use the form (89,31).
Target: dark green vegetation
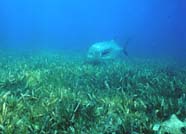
(58,94)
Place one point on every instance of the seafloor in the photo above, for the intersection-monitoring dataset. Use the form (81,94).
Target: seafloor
(57,93)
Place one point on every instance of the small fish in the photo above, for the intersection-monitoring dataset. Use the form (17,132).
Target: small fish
(105,50)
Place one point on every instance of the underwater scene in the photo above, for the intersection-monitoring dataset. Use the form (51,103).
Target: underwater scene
(93,67)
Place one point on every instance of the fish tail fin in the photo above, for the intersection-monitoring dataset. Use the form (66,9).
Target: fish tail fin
(125,47)
(125,52)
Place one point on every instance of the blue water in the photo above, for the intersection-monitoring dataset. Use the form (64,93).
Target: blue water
(154,27)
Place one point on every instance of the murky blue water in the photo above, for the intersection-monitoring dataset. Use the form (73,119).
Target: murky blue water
(154,27)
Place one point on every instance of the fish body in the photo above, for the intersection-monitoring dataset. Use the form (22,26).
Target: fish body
(106,50)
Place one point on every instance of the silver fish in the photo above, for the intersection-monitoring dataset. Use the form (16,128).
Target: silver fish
(106,50)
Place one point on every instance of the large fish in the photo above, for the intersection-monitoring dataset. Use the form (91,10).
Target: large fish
(104,51)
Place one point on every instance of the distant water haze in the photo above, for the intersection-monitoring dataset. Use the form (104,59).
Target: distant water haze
(155,27)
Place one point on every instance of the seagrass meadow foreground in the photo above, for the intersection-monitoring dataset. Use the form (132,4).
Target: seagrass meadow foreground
(56,93)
